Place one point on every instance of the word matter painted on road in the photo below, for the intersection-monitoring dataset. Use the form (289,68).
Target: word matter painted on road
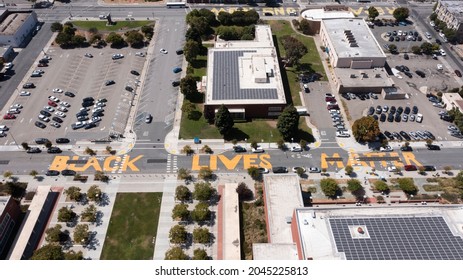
(237,161)
(107,164)
(376,158)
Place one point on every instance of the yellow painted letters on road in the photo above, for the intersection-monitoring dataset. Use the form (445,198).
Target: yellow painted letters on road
(237,161)
(324,162)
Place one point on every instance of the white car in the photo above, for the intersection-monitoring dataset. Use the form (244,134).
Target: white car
(53,98)
(140,54)
(163,51)
(432,23)
(49,109)
(442,52)
(55,124)
(117,56)
(44,118)
(392,169)
(89,55)
(62,109)
(100,104)
(24,93)
(8,65)
(60,114)
(296,148)
(40,71)
(97,109)
(19,106)
(65,104)
(57,90)
(386,149)
(314,170)
(3,128)
(95,120)
(257,150)
(13,111)
(342,134)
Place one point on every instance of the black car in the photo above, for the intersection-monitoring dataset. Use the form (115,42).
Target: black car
(54,150)
(109,82)
(397,118)
(408,74)
(379,109)
(40,124)
(390,117)
(371,111)
(52,173)
(393,110)
(88,99)
(420,73)
(56,119)
(45,113)
(179,51)
(81,113)
(438,41)
(458,73)
(62,140)
(68,172)
(406,149)
(175,83)
(383,117)
(29,85)
(87,104)
(406,57)
(41,141)
(446,118)
(98,114)
(280,169)
(429,168)
(375,117)
(400,110)
(133,72)
(429,134)
(405,135)
(407,110)
(346,96)
(415,110)
(34,150)
(43,60)
(389,135)
(433,147)
(239,149)
(70,94)
(89,125)
(82,118)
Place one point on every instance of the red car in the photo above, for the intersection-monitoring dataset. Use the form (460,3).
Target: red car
(51,103)
(410,168)
(9,117)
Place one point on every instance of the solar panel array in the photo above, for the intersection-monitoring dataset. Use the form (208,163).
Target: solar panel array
(226,80)
(397,238)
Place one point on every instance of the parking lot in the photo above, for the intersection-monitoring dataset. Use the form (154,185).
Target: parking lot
(84,76)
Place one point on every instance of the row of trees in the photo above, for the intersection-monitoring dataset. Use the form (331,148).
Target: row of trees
(177,253)
(178,235)
(449,33)
(94,193)
(236,32)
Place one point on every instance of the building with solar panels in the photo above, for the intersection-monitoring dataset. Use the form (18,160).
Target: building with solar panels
(379,233)
(245,76)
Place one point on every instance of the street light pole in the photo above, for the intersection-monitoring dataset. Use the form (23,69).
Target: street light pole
(17,145)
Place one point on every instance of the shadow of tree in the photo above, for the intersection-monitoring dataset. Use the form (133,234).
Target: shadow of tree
(236,133)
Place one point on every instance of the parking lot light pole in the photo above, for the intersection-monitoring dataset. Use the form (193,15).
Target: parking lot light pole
(17,145)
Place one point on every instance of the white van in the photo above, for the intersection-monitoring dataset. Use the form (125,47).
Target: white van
(302,111)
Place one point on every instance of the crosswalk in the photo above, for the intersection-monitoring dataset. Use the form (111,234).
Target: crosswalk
(171,164)
(118,164)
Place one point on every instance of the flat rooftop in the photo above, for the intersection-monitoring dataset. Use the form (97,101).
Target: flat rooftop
(282,194)
(365,43)
(455,8)
(12,23)
(272,251)
(319,14)
(245,72)
(382,233)
(363,77)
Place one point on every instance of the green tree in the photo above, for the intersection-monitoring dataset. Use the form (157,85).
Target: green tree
(281,144)
(73,256)
(206,149)
(201,235)
(459,178)
(95,38)
(175,253)
(354,186)
(115,39)
(295,50)
(200,254)
(407,185)
(148,30)
(178,235)
(65,215)
(433,17)
(416,49)
(90,214)
(401,13)
(205,173)
(48,252)
(100,176)
(187,150)
(33,173)
(381,186)
(7,174)
(78,40)
(427,48)
(81,234)
(421,170)
(253,171)
(392,48)
(300,171)
(90,151)
(54,234)
(184,174)
(182,193)
(63,39)
(244,193)
(329,187)
(73,193)
(201,212)
(366,129)
(191,50)
(305,27)
(48,144)
(349,169)
(447,169)
(134,38)
(288,123)
(181,212)
(203,191)
(223,120)
(56,27)
(25,146)
(94,193)
(188,87)
(372,13)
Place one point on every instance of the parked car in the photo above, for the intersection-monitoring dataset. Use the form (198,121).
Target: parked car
(34,150)
(258,150)
(52,173)
(433,147)
(280,169)
(62,140)
(68,172)
(410,167)
(239,149)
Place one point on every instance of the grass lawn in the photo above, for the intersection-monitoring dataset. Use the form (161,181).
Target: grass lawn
(310,62)
(133,224)
(101,25)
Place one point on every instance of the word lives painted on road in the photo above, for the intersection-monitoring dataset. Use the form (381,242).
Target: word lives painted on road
(236,162)
(383,159)
(111,163)
(285,11)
